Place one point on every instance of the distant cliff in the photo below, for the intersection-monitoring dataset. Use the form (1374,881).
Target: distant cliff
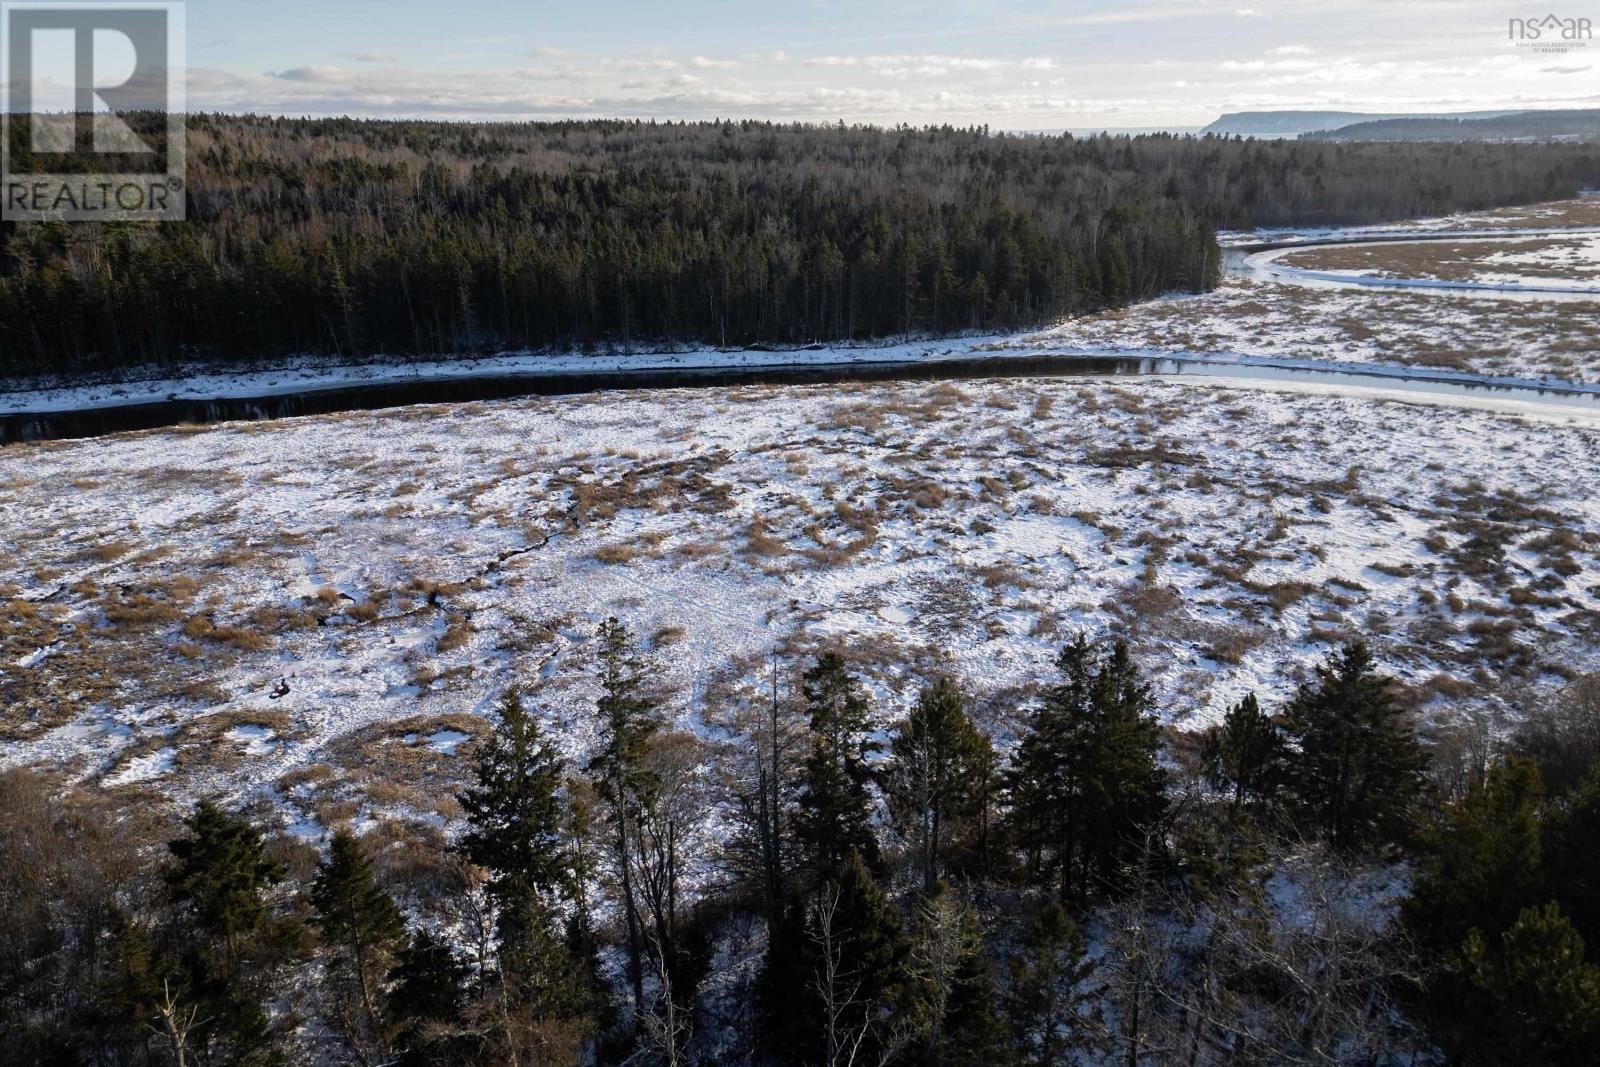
(1288,124)
(1516,126)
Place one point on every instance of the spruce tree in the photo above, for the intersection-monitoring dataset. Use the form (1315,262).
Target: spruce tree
(513,810)
(222,872)
(426,1001)
(629,719)
(1539,996)
(1084,783)
(1481,862)
(975,1033)
(857,954)
(515,830)
(129,986)
(941,762)
(1049,1001)
(953,986)
(835,806)
(1244,754)
(1045,776)
(220,876)
(1571,871)
(1357,769)
(361,923)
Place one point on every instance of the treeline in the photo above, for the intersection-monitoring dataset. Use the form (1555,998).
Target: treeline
(349,238)
(1107,893)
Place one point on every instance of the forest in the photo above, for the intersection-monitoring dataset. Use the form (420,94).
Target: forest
(1317,878)
(353,239)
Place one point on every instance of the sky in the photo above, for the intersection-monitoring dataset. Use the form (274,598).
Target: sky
(1008,65)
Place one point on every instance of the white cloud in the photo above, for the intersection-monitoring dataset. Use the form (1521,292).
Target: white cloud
(322,75)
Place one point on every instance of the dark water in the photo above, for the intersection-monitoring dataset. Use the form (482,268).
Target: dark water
(94,422)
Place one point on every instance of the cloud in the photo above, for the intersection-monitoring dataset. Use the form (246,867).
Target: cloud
(375,57)
(930,64)
(1564,70)
(640,64)
(319,75)
(1291,50)
(702,63)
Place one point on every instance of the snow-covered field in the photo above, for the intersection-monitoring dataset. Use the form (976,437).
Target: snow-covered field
(1553,262)
(1532,338)
(321,610)
(1531,335)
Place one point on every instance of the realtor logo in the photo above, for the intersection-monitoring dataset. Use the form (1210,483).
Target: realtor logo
(1550,33)
(93,111)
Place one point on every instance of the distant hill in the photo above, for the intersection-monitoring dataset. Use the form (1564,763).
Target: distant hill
(1295,123)
(1577,125)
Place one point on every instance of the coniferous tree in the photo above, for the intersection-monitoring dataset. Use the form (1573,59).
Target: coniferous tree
(1482,864)
(941,764)
(1539,996)
(975,1032)
(363,926)
(516,826)
(1357,767)
(222,872)
(1049,1000)
(1571,874)
(952,985)
(1244,753)
(857,956)
(786,1026)
(1084,783)
(425,1004)
(629,718)
(513,809)
(835,806)
(130,985)
(220,875)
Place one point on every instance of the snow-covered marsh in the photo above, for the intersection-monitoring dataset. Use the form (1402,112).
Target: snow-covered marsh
(321,612)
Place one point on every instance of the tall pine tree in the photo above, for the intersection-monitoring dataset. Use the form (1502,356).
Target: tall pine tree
(361,924)
(629,719)
(941,762)
(1357,769)
(1244,754)
(1084,783)
(515,830)
(835,806)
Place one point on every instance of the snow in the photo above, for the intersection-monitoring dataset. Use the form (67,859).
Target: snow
(155,385)
(961,580)
(1521,283)
(255,740)
(156,764)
